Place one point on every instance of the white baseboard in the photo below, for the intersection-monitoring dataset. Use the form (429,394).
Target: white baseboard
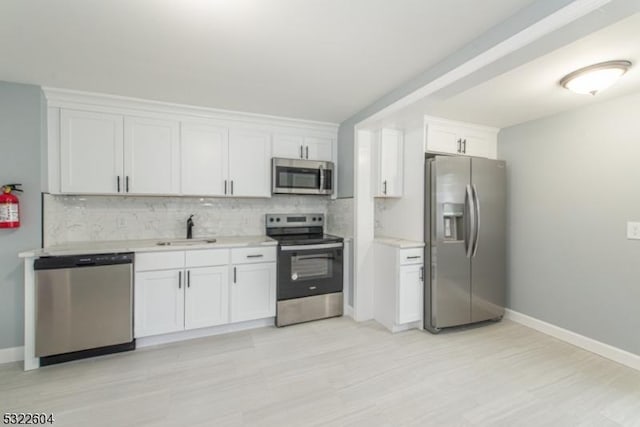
(204,332)
(605,350)
(12,354)
(348,311)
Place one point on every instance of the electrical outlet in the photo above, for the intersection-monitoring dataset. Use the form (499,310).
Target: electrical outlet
(633,230)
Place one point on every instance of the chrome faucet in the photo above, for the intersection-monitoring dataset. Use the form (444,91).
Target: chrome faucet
(190,225)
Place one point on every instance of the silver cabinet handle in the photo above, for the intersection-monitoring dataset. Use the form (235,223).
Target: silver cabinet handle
(301,152)
(459,145)
(225,186)
(384,187)
(118,182)
(127,183)
(307,148)
(234,274)
(422,274)
(464,145)
(413,257)
(188,278)
(255,256)
(179,279)
(231,186)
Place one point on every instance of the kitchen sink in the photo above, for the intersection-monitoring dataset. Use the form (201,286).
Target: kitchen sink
(185,242)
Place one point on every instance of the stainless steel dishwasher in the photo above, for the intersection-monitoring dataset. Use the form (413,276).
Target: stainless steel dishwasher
(84,306)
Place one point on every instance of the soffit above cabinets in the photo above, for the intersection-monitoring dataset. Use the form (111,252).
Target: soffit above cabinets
(314,59)
(532,90)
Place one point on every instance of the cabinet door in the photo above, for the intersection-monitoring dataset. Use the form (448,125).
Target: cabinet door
(288,146)
(253,291)
(249,163)
(205,159)
(442,140)
(410,294)
(206,297)
(390,158)
(317,148)
(480,145)
(159,302)
(151,156)
(91,152)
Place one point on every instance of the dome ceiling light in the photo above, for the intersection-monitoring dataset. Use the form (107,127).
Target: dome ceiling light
(594,78)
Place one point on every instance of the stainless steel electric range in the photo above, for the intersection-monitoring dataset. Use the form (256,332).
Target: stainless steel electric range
(309,268)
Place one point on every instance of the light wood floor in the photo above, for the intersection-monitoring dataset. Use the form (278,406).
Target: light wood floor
(337,373)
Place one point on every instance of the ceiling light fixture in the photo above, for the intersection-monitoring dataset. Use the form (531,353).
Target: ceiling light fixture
(594,78)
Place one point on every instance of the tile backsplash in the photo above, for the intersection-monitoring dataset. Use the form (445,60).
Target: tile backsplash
(95,218)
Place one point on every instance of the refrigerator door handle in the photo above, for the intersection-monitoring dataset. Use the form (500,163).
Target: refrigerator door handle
(470,201)
(476,202)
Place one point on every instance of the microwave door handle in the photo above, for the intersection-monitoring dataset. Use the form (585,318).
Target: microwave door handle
(321,178)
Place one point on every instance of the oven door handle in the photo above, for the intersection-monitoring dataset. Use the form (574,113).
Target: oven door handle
(310,247)
(330,258)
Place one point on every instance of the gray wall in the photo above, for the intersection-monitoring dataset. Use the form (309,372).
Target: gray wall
(574,182)
(20,143)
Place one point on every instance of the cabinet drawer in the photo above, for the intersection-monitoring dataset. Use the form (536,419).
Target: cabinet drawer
(411,256)
(207,257)
(159,260)
(251,255)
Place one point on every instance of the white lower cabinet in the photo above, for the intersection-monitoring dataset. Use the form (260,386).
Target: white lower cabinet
(253,291)
(206,300)
(399,285)
(182,290)
(159,302)
(410,294)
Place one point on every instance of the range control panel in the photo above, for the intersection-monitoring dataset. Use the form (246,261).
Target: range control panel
(294,220)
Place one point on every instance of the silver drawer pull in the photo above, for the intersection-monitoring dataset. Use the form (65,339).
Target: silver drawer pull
(255,256)
(414,257)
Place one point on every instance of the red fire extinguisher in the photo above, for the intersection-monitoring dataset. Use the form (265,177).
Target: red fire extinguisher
(9,207)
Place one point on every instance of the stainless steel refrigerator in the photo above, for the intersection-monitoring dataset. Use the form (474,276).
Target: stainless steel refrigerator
(465,224)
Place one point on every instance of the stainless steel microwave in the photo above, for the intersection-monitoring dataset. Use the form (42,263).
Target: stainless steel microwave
(293,176)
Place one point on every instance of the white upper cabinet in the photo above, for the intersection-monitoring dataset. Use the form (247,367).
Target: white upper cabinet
(249,163)
(205,160)
(99,144)
(318,148)
(443,140)
(480,145)
(388,163)
(288,146)
(151,156)
(302,147)
(449,137)
(91,152)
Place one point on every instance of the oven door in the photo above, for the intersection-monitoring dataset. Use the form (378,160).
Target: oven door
(306,270)
(292,176)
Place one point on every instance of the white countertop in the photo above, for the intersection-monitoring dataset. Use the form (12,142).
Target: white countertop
(398,243)
(83,248)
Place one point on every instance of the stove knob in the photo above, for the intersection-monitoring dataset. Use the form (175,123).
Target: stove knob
(270,219)
(277,219)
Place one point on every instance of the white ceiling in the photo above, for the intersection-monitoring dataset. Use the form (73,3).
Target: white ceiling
(314,59)
(532,90)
